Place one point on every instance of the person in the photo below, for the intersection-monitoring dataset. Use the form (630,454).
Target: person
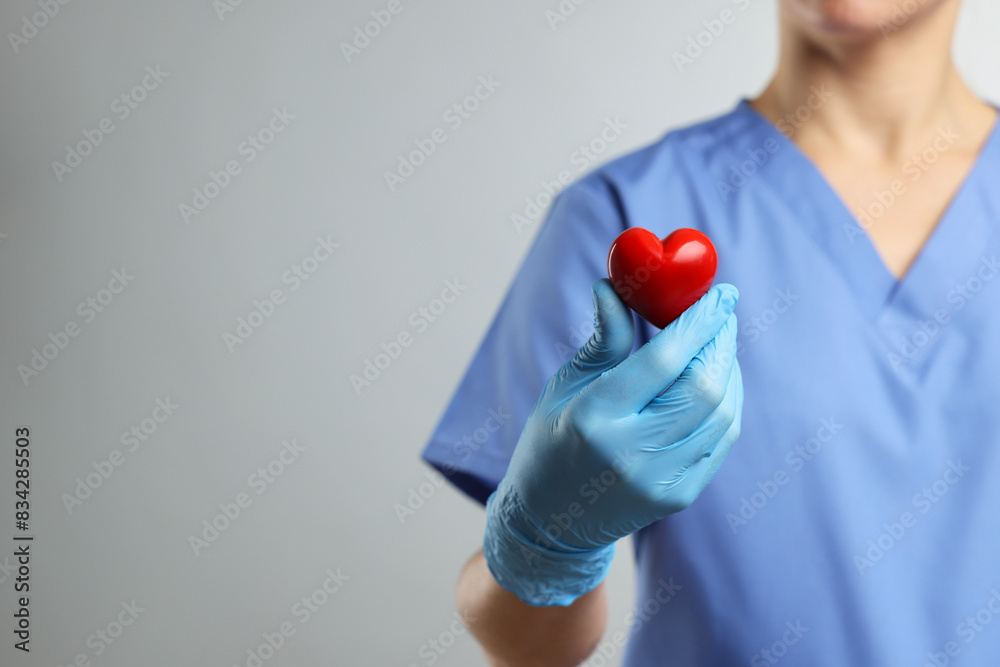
(855,204)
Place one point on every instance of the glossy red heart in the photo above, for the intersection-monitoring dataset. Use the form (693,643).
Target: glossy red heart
(660,279)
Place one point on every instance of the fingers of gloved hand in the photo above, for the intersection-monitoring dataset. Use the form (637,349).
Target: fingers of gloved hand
(714,462)
(701,388)
(687,450)
(610,343)
(676,476)
(632,384)
(691,482)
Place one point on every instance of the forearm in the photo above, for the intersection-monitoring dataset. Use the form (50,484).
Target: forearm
(514,633)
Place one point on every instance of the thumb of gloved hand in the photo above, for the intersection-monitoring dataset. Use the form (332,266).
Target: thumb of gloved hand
(609,345)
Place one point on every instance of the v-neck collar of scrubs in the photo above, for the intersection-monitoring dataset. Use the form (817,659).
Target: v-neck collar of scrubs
(957,245)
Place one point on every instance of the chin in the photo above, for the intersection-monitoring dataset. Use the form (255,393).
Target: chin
(857,17)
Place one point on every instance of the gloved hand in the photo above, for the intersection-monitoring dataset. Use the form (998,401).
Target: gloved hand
(606,451)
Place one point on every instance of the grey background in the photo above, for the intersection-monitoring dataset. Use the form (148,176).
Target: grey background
(333,507)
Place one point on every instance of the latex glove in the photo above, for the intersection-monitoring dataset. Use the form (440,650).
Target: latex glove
(606,451)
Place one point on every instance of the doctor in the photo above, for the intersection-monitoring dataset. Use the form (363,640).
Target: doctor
(856,205)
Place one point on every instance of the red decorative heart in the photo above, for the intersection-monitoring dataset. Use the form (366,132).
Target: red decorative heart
(661,279)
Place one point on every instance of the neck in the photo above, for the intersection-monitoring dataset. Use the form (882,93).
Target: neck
(885,94)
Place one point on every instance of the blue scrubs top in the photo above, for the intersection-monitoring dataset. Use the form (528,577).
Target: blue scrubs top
(855,522)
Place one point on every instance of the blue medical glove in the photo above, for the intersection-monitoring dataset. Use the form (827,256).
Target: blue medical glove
(606,451)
